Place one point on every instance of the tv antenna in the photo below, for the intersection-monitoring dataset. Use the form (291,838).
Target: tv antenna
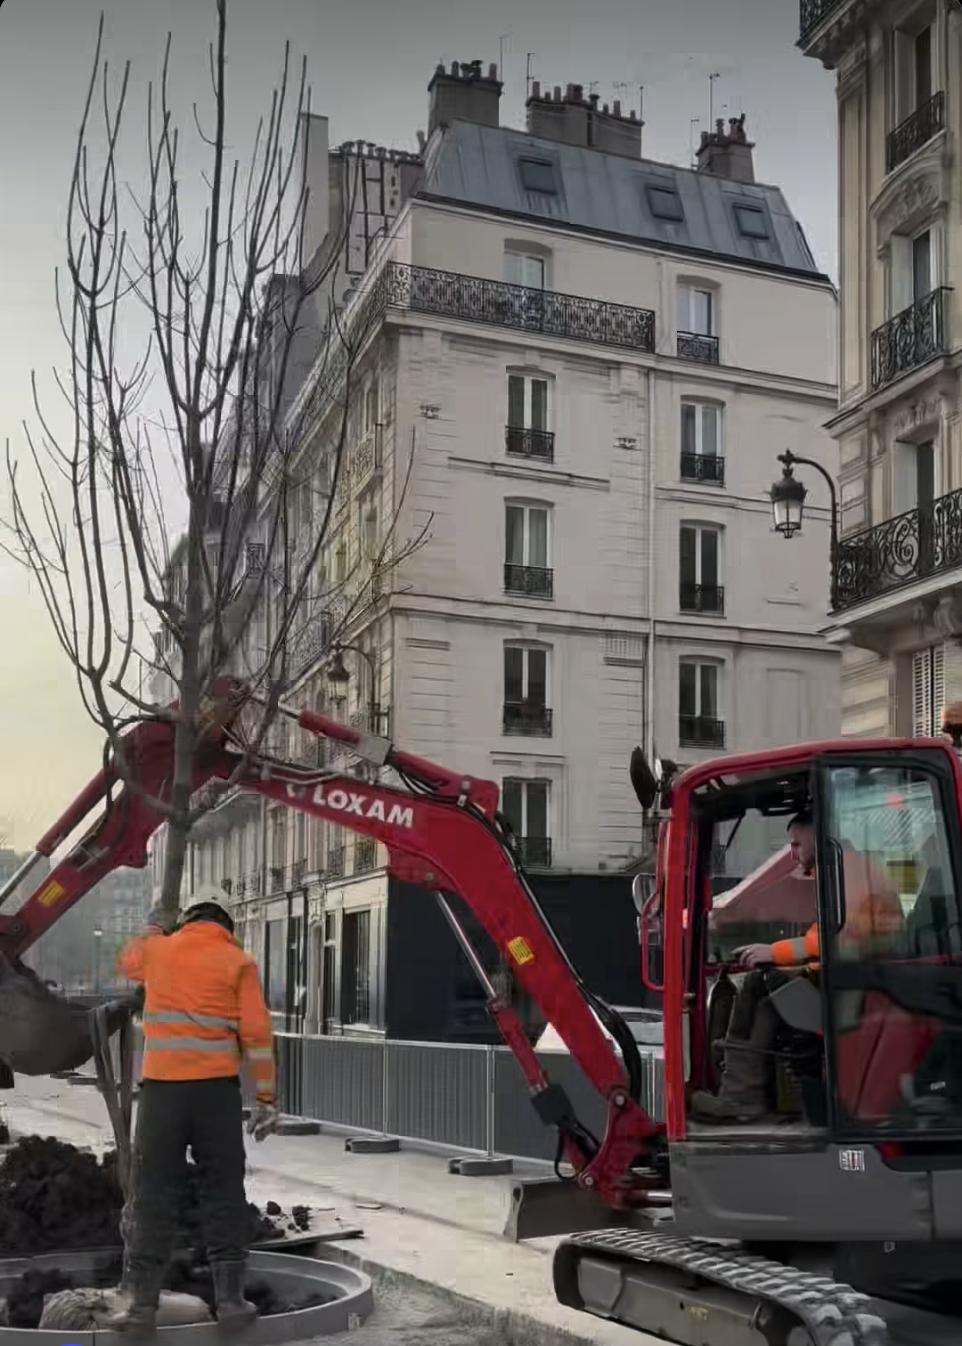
(711,98)
(502,46)
(695,121)
(527,76)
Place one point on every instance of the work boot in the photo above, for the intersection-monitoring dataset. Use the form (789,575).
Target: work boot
(742,1095)
(232,1309)
(138,1318)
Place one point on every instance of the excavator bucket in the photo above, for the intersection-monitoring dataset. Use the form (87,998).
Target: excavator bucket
(41,1033)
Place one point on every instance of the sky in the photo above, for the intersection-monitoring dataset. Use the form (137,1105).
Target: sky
(369,64)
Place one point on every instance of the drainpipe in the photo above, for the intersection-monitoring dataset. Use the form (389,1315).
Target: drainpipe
(649,726)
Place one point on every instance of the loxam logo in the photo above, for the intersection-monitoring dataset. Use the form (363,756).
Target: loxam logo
(363,806)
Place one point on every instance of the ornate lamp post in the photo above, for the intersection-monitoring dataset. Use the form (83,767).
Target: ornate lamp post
(788,497)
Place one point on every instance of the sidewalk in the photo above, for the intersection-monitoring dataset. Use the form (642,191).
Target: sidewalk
(422,1225)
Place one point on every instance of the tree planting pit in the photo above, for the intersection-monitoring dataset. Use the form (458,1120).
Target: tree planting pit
(299,1298)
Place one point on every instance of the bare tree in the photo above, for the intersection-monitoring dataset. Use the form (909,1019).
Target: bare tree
(236,316)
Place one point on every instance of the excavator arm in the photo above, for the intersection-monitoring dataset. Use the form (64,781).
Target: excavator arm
(443,832)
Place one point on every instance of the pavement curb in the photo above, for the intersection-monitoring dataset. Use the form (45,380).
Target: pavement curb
(513,1327)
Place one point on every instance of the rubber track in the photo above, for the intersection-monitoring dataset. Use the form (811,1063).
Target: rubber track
(835,1315)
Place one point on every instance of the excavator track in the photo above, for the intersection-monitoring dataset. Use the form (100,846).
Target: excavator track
(827,1313)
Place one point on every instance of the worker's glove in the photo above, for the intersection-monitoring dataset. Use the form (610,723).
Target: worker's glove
(755,955)
(162,918)
(264,1120)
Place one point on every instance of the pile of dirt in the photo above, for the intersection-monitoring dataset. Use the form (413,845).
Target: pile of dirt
(55,1198)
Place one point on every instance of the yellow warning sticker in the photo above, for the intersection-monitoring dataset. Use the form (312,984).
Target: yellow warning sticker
(520,951)
(52,894)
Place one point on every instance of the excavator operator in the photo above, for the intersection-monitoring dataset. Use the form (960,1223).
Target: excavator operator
(204,1014)
(873,912)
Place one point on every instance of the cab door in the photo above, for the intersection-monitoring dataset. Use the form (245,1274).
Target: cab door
(888,870)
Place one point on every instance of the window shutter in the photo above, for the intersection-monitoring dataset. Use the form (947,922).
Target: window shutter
(938,688)
(928,691)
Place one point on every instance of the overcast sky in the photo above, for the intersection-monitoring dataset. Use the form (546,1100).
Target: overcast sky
(369,62)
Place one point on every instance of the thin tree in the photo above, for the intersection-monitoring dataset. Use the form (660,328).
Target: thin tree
(213,400)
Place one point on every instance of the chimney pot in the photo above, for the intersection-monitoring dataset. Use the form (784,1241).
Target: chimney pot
(455,69)
(633,115)
(704,138)
(720,126)
(617,107)
(579,93)
(536,89)
(493,71)
(604,108)
(593,99)
(439,69)
(569,92)
(557,93)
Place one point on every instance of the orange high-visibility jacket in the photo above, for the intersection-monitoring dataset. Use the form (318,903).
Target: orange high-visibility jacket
(872,911)
(204,1010)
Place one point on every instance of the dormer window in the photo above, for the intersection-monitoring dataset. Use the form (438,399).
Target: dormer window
(752,222)
(538,175)
(665,204)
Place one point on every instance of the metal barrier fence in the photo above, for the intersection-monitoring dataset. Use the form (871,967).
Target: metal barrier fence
(452,1095)
(457,1096)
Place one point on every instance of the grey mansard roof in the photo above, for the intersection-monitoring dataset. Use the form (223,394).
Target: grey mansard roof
(607,194)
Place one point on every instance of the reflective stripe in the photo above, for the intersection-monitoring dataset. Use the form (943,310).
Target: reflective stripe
(174,1017)
(799,948)
(189,1045)
(259,1054)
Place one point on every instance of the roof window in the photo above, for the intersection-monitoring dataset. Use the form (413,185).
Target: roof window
(665,203)
(538,175)
(752,222)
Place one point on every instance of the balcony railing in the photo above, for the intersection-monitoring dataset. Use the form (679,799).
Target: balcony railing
(707,598)
(707,468)
(298,872)
(276,875)
(526,718)
(812,12)
(573,317)
(917,130)
(365,855)
(910,339)
(334,868)
(521,442)
(534,852)
(701,731)
(367,457)
(531,581)
(913,546)
(697,346)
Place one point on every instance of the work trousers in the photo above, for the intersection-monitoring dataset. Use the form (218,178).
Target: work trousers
(206,1117)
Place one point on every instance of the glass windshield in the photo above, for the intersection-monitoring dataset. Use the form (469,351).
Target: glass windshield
(891,944)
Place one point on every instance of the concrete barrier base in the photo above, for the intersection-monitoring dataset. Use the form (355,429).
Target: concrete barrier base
(372,1145)
(481,1166)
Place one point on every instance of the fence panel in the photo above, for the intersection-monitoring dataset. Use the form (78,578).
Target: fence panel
(438,1093)
(338,1080)
(517,1128)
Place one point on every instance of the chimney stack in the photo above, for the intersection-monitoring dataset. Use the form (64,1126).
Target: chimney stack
(573,119)
(727,154)
(465,93)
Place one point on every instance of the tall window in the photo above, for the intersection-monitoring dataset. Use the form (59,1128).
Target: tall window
(527,433)
(356,968)
(914,71)
(928,691)
(699,716)
(526,805)
(527,558)
(696,311)
(525,269)
(701,443)
(699,578)
(525,709)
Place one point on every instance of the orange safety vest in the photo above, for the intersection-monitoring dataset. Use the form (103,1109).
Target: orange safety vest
(204,1010)
(873,911)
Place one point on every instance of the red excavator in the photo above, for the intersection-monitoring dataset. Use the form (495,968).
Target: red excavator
(699,1233)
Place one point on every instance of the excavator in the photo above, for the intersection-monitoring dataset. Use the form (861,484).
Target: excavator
(835,1222)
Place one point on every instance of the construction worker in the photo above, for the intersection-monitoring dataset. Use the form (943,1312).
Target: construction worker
(873,913)
(204,1014)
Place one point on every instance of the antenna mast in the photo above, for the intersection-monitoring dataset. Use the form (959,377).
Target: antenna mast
(527,76)
(711,99)
(502,42)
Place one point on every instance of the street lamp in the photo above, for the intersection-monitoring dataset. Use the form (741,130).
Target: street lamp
(338,676)
(788,497)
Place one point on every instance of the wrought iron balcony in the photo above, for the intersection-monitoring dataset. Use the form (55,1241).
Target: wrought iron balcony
(812,12)
(697,346)
(913,546)
(701,731)
(707,598)
(527,718)
(365,855)
(298,872)
(531,581)
(276,875)
(521,442)
(917,130)
(367,457)
(534,852)
(422,289)
(707,468)
(910,339)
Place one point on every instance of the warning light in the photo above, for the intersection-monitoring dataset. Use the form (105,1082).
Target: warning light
(895,800)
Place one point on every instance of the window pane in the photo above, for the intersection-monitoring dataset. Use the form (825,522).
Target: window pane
(513,673)
(687,544)
(536,822)
(537,688)
(514,535)
(702,312)
(709,692)
(709,431)
(684,308)
(539,404)
(515,400)
(922,265)
(709,557)
(511,803)
(687,682)
(532,272)
(538,538)
(512,268)
(689,438)
(923,67)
